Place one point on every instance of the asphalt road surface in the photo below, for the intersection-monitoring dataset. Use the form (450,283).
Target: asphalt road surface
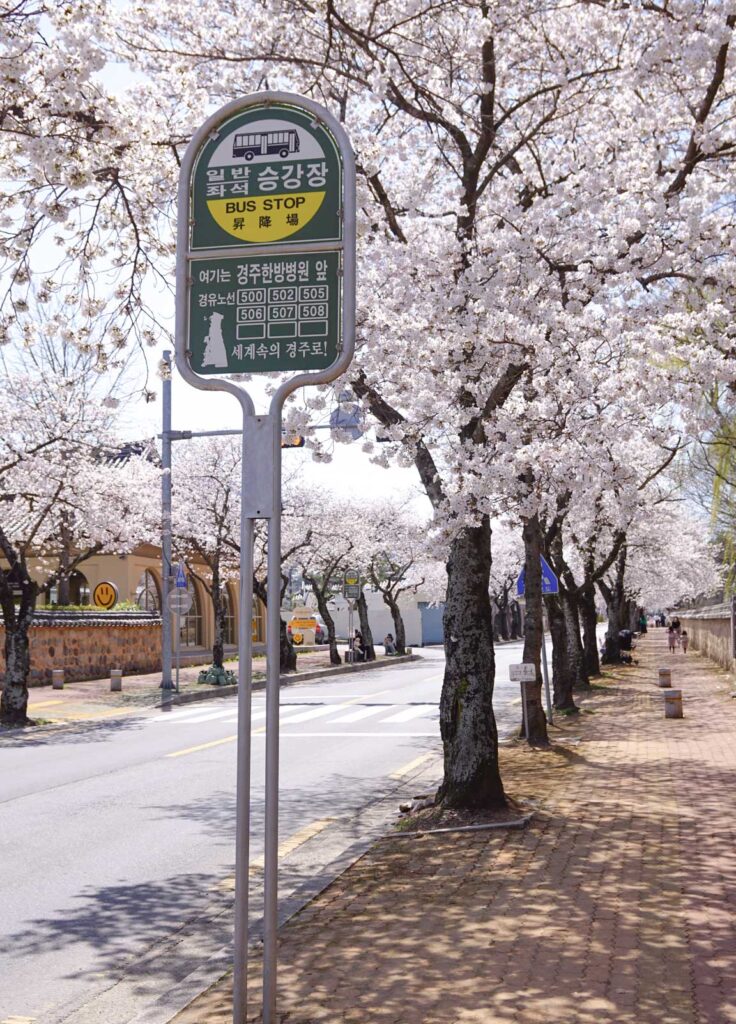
(117,837)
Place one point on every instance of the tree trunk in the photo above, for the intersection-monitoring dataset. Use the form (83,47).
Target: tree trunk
(575,654)
(536,732)
(14,699)
(287,651)
(503,616)
(562,675)
(467,723)
(398,621)
(516,630)
(365,628)
(319,593)
(590,636)
(615,599)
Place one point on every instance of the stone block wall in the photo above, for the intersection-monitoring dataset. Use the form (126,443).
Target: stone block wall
(89,648)
(709,630)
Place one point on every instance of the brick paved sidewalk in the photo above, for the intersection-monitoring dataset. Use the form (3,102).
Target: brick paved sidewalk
(615,906)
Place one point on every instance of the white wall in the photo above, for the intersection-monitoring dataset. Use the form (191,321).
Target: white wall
(379,617)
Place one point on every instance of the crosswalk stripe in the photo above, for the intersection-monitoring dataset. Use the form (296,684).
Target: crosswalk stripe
(356,716)
(408,713)
(306,716)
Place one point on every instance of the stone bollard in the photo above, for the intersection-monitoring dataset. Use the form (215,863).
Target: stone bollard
(673,704)
(665,677)
(57,678)
(116,680)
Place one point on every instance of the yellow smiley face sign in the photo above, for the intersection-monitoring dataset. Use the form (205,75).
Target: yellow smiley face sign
(105,595)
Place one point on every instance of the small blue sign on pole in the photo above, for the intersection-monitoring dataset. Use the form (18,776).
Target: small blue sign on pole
(550,583)
(181,577)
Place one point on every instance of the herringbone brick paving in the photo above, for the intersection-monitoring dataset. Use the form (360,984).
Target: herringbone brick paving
(615,906)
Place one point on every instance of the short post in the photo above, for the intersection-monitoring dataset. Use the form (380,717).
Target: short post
(116,680)
(57,678)
(665,677)
(673,704)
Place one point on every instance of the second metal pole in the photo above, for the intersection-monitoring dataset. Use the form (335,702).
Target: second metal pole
(242,790)
(273,646)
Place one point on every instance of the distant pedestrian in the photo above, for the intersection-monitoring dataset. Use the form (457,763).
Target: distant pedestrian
(672,639)
(359,645)
(684,640)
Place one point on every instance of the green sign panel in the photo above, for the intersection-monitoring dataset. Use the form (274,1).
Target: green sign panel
(351,585)
(250,314)
(271,174)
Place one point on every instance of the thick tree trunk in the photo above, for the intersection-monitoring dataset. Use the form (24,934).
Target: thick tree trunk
(590,637)
(319,593)
(536,732)
(612,643)
(287,651)
(467,723)
(516,629)
(575,654)
(503,617)
(365,628)
(562,675)
(14,699)
(615,598)
(398,621)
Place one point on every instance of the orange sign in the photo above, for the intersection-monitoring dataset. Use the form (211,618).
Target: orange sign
(105,595)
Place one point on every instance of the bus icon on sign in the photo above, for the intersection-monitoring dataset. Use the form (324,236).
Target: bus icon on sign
(266,143)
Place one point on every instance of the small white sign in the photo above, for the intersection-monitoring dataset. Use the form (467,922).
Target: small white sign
(522,673)
(179,601)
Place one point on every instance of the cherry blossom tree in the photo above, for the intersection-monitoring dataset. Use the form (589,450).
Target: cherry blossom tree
(544,201)
(65,494)
(205,516)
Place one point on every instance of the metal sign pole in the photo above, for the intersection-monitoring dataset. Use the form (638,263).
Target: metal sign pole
(178,646)
(166,644)
(273,646)
(242,790)
(230,320)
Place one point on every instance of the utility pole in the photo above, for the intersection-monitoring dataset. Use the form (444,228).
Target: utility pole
(166,577)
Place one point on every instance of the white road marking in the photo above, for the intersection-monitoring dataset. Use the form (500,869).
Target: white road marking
(413,712)
(355,716)
(305,716)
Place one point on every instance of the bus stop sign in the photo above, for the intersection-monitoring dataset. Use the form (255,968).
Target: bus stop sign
(268,181)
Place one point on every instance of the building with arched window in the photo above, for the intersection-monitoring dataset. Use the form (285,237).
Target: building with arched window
(137,577)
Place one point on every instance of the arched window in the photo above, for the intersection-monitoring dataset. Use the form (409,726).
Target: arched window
(78,590)
(231,626)
(191,624)
(147,594)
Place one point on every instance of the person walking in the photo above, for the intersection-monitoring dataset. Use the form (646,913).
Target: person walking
(672,639)
(684,640)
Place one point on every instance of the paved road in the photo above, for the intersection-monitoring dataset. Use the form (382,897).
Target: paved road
(116,838)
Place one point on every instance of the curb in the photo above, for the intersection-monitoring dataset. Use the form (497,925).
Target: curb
(289,680)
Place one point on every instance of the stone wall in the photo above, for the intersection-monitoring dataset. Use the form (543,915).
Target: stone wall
(87,647)
(709,630)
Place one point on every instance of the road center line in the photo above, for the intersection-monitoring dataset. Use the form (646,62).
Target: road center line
(412,765)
